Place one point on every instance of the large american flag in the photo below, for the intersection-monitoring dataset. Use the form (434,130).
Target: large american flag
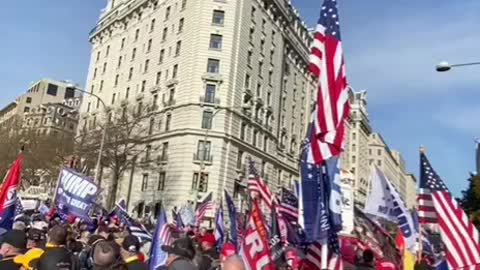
(257,186)
(332,107)
(459,235)
(206,205)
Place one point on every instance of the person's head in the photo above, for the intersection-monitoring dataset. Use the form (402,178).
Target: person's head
(104,255)
(182,247)
(228,250)
(35,238)
(104,231)
(57,235)
(202,231)
(14,242)
(207,242)
(368,256)
(130,246)
(19,225)
(233,263)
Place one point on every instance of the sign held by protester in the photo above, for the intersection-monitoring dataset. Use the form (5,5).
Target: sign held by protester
(75,192)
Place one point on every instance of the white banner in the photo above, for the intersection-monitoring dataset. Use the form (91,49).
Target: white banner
(385,202)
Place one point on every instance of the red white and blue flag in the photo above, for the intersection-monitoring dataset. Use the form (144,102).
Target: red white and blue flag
(162,237)
(332,107)
(207,205)
(8,195)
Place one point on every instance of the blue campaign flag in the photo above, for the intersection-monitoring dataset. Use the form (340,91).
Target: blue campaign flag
(232,213)
(76,192)
(334,193)
(443,265)
(162,236)
(219,227)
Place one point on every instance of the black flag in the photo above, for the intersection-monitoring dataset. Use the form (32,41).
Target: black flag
(276,246)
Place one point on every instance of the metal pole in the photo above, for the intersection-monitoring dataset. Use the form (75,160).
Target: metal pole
(466,64)
(324,257)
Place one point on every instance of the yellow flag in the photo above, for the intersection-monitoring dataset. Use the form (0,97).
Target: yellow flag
(408,260)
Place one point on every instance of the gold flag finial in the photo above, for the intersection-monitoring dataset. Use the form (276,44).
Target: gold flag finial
(422,149)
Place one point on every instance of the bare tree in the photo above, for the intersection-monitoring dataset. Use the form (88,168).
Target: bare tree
(43,153)
(125,140)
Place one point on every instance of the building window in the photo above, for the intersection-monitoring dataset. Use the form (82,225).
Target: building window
(29,100)
(151,125)
(144,84)
(147,62)
(158,78)
(354,147)
(168,119)
(255,135)
(119,62)
(108,51)
(162,55)
(149,45)
(88,107)
(92,88)
(379,162)
(98,56)
(265,144)
(243,130)
(239,159)
(354,136)
(178,48)
(104,67)
(152,25)
(134,52)
(249,58)
(207,120)
(259,90)
(213,66)
(95,73)
(175,71)
(161,181)
(116,80)
(215,41)
(272,54)
(130,73)
(184,4)
(246,83)
(52,89)
(250,35)
(354,159)
(127,92)
(180,25)
(262,46)
(203,150)
(200,182)
(260,69)
(264,24)
(123,44)
(164,151)
(273,36)
(252,13)
(145,182)
(210,93)
(114,95)
(218,17)
(101,86)
(269,98)
(379,152)
(26,109)
(165,32)
(137,34)
(167,13)
(270,77)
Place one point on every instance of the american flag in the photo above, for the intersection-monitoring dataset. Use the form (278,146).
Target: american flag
(206,205)
(332,107)
(288,207)
(134,227)
(18,209)
(459,235)
(313,256)
(163,236)
(258,186)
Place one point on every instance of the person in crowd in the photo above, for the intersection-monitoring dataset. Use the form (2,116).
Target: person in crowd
(19,225)
(233,263)
(209,257)
(56,255)
(368,261)
(85,256)
(35,239)
(14,243)
(29,259)
(129,252)
(105,257)
(180,254)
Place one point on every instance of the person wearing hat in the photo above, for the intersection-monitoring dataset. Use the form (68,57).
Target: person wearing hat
(209,257)
(180,254)
(35,239)
(28,260)
(129,252)
(56,255)
(14,243)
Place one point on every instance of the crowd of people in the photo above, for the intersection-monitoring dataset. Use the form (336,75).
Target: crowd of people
(44,243)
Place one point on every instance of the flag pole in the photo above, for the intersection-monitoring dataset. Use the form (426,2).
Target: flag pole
(324,257)
(420,242)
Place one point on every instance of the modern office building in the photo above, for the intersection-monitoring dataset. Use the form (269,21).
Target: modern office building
(227,80)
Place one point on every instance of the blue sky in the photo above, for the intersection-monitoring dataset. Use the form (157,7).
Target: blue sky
(391,48)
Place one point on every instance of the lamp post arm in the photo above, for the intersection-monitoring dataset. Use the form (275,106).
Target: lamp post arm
(466,64)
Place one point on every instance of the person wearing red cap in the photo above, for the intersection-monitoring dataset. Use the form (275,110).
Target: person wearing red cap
(209,257)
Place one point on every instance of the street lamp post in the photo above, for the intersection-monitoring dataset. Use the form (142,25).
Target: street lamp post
(104,134)
(203,158)
(445,66)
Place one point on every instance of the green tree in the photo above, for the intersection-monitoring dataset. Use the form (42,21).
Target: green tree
(471,199)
